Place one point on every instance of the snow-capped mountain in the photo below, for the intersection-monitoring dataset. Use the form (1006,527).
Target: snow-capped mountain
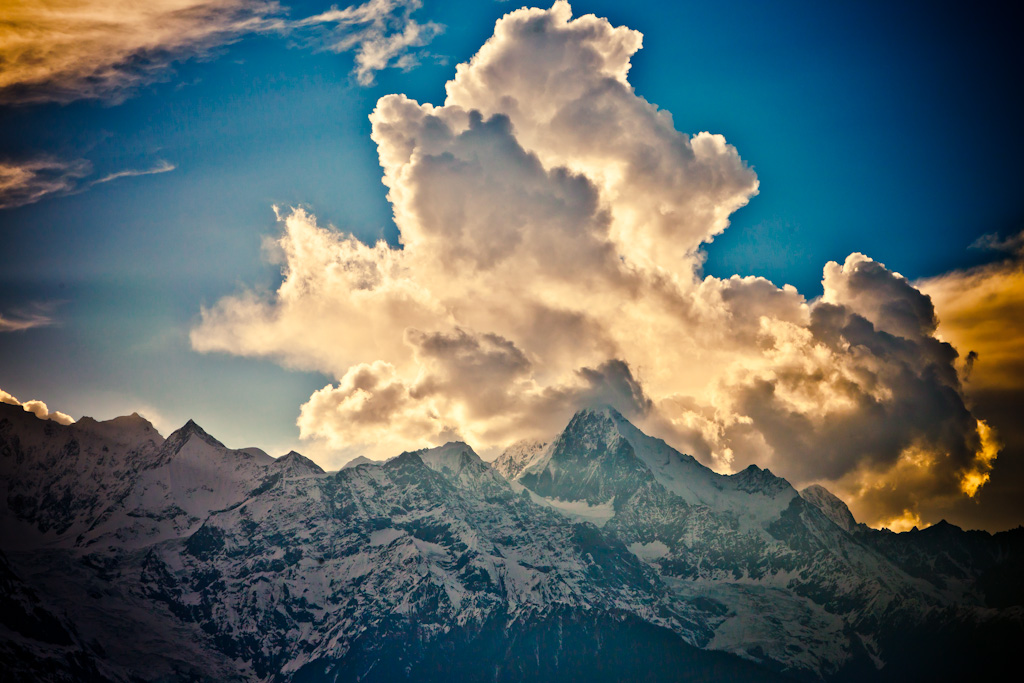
(830,506)
(602,555)
(790,580)
(517,456)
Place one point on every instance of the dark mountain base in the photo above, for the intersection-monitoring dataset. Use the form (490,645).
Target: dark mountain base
(565,647)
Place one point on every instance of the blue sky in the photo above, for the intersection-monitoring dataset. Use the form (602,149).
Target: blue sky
(890,129)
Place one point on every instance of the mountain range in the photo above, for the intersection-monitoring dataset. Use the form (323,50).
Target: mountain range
(603,555)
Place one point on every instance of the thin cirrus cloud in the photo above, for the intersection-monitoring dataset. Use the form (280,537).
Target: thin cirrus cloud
(160,167)
(19,322)
(26,182)
(551,223)
(382,33)
(67,50)
(29,317)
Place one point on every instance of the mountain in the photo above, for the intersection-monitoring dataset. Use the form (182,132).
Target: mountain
(830,506)
(787,580)
(517,456)
(603,554)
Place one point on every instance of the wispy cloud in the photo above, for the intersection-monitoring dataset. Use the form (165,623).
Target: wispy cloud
(28,181)
(63,50)
(20,324)
(1014,244)
(35,315)
(381,33)
(25,182)
(161,167)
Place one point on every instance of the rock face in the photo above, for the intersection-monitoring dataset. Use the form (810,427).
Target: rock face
(830,506)
(602,555)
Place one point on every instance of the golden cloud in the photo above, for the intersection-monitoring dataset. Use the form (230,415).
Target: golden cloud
(982,310)
(66,50)
(551,222)
(37,408)
(28,181)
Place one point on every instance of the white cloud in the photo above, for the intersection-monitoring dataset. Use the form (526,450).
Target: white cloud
(37,408)
(160,167)
(381,33)
(551,222)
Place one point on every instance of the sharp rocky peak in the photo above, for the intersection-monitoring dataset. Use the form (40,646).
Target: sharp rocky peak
(754,479)
(294,460)
(830,505)
(190,429)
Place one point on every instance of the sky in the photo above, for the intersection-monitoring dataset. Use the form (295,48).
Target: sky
(783,233)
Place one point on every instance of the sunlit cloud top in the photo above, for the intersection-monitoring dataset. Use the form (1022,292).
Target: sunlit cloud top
(551,223)
(37,408)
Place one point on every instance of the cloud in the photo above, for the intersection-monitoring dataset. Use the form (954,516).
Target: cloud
(64,50)
(37,408)
(551,223)
(37,315)
(26,182)
(863,396)
(160,167)
(1013,244)
(60,51)
(29,181)
(382,33)
(982,311)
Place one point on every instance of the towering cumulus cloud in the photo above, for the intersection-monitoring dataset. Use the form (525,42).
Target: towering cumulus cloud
(551,223)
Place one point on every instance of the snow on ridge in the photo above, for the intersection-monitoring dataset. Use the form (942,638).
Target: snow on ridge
(578,510)
(124,429)
(454,456)
(518,457)
(295,461)
(830,505)
(359,460)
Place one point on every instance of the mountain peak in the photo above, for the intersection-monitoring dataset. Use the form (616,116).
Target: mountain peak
(453,458)
(601,411)
(518,456)
(755,479)
(591,460)
(185,433)
(830,505)
(359,460)
(124,429)
(294,460)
